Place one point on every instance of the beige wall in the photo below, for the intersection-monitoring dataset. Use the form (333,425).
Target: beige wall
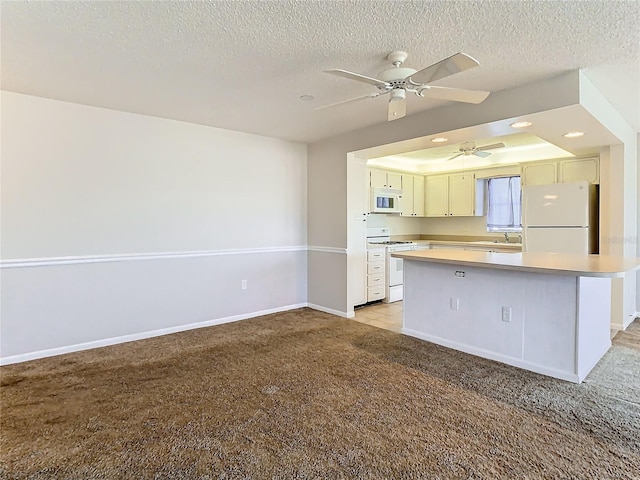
(81,180)
(118,226)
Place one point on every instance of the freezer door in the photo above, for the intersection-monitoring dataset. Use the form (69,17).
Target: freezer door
(559,204)
(558,240)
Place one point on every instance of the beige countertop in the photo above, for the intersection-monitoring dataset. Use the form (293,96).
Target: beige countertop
(484,243)
(516,247)
(550,263)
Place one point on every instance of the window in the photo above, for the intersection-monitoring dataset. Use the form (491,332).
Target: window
(504,205)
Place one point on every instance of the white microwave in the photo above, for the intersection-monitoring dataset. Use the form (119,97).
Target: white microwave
(385,200)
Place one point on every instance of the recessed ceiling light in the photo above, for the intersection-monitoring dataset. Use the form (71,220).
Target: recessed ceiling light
(573,134)
(521,124)
(439,139)
(306,98)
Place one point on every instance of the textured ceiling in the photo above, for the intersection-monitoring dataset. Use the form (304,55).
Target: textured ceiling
(243,65)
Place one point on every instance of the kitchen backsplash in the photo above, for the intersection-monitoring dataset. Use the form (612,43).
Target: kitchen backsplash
(397,224)
(455,226)
(473,226)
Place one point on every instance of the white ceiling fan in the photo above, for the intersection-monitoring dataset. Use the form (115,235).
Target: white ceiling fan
(470,148)
(399,80)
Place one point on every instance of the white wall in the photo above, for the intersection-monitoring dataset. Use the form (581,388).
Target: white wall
(619,198)
(117,224)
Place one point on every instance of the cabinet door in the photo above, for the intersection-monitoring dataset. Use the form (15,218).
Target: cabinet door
(358,188)
(357,261)
(394,180)
(462,194)
(586,169)
(436,195)
(407,196)
(539,174)
(418,196)
(377,178)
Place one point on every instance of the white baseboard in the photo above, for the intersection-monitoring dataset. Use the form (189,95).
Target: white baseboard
(480,352)
(331,311)
(140,336)
(628,321)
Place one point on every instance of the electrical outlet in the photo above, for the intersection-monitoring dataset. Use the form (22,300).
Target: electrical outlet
(506,314)
(244,284)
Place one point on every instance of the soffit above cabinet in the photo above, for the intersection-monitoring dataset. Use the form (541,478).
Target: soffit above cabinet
(519,148)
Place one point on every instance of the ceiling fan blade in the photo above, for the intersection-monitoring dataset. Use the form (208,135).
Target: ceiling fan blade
(397,109)
(492,146)
(358,77)
(444,68)
(481,154)
(454,94)
(369,95)
(455,156)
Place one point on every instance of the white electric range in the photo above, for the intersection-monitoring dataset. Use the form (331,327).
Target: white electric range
(393,272)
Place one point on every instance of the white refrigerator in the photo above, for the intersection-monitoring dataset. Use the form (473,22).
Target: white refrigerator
(560,217)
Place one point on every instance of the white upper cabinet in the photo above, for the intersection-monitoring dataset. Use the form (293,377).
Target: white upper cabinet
(436,195)
(418,195)
(562,171)
(358,193)
(452,195)
(539,173)
(587,169)
(412,195)
(462,194)
(384,179)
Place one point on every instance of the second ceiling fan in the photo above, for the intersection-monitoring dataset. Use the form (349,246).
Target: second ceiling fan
(398,80)
(470,148)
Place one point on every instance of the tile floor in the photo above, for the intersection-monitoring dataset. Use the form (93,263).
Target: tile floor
(381,315)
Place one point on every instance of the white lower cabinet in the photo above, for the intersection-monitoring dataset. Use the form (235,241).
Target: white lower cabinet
(375,274)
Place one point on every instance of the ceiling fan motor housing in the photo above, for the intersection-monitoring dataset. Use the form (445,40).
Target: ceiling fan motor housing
(467,147)
(393,75)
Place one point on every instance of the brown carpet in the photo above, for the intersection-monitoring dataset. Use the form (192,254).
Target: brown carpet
(304,394)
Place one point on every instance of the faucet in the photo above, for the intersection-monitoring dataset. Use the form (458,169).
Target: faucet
(506,237)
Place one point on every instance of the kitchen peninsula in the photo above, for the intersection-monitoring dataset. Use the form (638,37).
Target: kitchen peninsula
(544,312)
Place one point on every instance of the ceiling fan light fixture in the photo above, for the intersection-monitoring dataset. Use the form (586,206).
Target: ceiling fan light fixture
(573,134)
(521,124)
(397,94)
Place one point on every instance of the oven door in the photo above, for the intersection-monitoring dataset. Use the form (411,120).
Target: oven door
(394,267)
